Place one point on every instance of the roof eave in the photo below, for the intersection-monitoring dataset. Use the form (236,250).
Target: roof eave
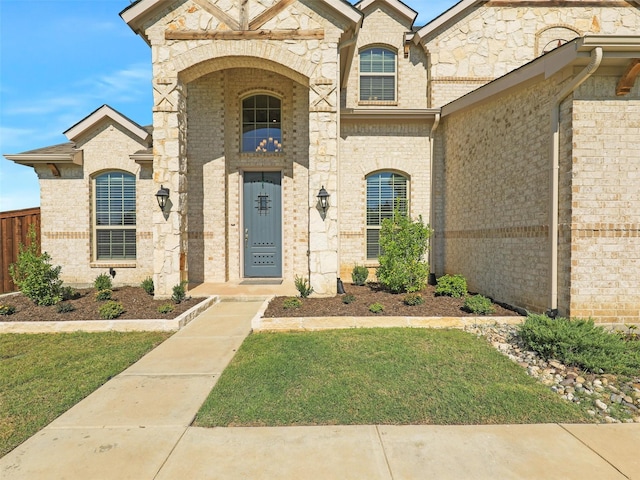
(33,159)
(455,12)
(389,114)
(404,10)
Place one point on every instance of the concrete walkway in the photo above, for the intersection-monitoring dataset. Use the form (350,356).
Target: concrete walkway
(137,427)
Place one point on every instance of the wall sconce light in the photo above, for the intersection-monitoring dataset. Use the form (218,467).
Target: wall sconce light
(323,200)
(162,196)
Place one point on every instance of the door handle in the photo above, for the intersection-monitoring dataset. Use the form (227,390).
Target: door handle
(246,237)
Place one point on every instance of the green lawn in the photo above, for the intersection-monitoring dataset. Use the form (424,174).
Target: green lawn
(377,376)
(43,375)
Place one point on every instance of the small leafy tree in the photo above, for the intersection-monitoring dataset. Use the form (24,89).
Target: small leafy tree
(403,243)
(34,275)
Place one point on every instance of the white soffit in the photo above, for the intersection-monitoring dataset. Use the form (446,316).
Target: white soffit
(100,114)
(398,6)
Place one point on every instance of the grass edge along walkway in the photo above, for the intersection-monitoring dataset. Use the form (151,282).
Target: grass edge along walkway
(378,376)
(43,375)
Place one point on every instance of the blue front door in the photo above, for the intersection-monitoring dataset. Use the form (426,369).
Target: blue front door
(262,233)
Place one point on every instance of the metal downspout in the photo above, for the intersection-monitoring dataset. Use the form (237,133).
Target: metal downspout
(432,216)
(596,59)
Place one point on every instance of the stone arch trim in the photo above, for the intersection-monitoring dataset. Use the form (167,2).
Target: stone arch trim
(211,57)
(539,44)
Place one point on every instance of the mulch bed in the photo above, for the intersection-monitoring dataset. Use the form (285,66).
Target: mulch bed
(433,306)
(137,303)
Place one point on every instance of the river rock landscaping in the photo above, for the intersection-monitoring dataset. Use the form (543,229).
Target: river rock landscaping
(609,398)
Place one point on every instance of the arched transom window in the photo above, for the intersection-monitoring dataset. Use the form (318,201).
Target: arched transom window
(386,192)
(261,124)
(115,216)
(377,75)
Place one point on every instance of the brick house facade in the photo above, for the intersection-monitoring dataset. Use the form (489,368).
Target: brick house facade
(510,126)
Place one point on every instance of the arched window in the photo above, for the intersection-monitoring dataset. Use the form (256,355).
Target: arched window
(115,216)
(377,75)
(386,192)
(261,124)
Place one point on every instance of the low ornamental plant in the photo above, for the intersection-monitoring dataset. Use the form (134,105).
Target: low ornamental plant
(291,303)
(34,275)
(104,295)
(110,310)
(359,275)
(166,308)
(65,307)
(580,343)
(451,286)
(69,293)
(179,293)
(403,243)
(479,305)
(348,298)
(147,285)
(413,299)
(303,286)
(376,308)
(102,282)
(6,309)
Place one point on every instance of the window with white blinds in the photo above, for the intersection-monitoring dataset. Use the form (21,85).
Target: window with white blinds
(377,75)
(386,192)
(115,216)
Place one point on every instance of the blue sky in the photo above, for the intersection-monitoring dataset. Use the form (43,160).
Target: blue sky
(62,59)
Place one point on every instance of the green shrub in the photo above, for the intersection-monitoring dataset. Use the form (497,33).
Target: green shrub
(6,309)
(147,285)
(376,308)
(104,295)
(65,307)
(451,286)
(111,309)
(179,293)
(580,343)
(359,274)
(348,298)
(291,303)
(166,308)
(479,305)
(69,293)
(413,299)
(403,244)
(303,286)
(34,275)
(102,282)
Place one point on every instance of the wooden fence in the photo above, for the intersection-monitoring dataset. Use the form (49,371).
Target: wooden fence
(14,230)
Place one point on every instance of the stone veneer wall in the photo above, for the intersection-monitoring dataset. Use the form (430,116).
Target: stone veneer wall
(496,39)
(367,147)
(67,209)
(382,26)
(176,64)
(605,222)
(493,196)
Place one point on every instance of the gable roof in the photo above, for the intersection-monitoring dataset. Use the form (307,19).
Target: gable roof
(105,111)
(137,12)
(404,10)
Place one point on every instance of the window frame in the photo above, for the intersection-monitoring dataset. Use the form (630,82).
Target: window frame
(380,212)
(393,75)
(278,145)
(117,227)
